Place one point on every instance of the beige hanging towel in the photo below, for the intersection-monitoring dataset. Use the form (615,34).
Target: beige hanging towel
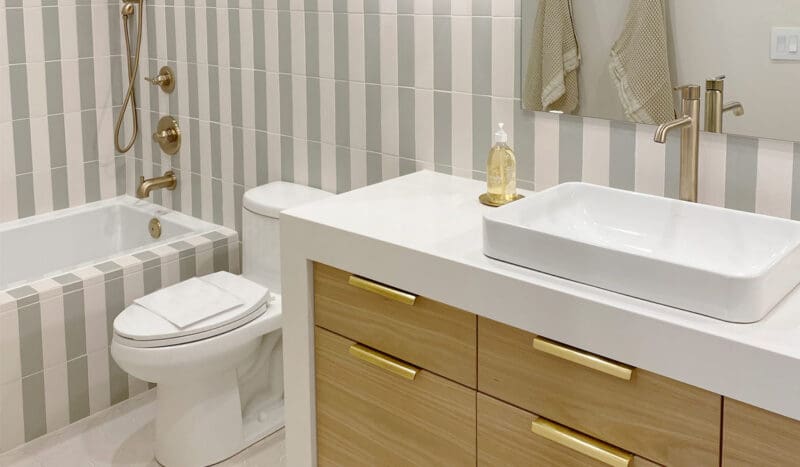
(552,79)
(640,64)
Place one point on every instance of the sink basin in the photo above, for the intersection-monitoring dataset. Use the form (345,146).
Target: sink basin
(729,265)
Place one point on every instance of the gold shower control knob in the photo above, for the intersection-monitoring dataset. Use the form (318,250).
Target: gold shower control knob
(168,135)
(165,79)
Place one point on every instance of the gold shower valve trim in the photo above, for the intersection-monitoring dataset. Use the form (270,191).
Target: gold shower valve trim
(168,135)
(165,79)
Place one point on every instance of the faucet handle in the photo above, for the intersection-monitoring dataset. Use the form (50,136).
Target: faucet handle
(165,79)
(716,83)
(168,135)
(689,92)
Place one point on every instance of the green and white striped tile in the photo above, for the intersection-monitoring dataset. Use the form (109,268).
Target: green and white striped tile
(55,366)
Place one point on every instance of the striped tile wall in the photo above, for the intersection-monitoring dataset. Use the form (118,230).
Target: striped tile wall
(55,365)
(59,62)
(339,94)
(330,93)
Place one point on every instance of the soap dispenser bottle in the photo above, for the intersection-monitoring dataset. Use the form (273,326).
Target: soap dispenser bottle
(501,172)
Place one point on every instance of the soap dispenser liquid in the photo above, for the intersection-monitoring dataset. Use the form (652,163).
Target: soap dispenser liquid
(501,171)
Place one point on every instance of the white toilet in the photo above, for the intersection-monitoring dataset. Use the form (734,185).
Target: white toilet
(220,379)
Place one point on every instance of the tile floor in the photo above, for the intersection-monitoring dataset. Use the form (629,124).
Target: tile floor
(122,436)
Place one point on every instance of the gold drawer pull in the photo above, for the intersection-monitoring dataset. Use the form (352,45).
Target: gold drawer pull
(373,357)
(382,290)
(609,367)
(581,443)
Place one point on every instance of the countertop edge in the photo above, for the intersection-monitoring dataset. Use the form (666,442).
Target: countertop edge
(750,374)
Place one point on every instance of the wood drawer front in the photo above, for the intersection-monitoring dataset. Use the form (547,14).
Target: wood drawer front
(661,419)
(755,437)
(505,438)
(367,416)
(428,334)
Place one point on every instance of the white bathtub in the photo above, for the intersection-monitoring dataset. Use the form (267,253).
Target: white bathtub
(64,277)
(49,244)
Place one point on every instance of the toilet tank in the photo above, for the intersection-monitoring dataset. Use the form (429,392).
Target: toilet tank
(261,257)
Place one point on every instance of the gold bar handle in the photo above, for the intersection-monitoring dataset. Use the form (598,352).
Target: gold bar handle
(382,290)
(609,367)
(393,365)
(578,442)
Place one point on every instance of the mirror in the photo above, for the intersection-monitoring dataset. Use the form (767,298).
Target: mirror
(620,59)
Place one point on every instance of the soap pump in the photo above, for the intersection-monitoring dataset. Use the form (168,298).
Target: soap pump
(501,172)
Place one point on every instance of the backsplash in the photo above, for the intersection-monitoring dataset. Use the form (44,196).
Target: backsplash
(350,93)
(60,75)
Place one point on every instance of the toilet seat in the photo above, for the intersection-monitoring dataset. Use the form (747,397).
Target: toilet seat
(140,327)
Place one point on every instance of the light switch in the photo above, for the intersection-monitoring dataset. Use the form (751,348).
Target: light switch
(785,44)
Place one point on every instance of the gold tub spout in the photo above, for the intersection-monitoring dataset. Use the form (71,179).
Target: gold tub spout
(168,181)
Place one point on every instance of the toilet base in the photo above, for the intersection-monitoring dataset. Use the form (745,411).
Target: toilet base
(200,423)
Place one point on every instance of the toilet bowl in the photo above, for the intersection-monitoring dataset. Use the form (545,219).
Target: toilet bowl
(220,379)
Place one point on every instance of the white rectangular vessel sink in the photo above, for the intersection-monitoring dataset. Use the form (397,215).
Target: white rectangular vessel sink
(730,265)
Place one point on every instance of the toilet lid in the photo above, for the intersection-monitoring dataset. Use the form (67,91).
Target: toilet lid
(141,327)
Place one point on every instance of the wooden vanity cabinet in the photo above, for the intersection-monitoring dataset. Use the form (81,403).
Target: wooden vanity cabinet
(661,419)
(754,437)
(430,334)
(405,380)
(505,438)
(368,416)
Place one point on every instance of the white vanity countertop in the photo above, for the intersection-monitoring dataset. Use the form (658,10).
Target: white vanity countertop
(423,233)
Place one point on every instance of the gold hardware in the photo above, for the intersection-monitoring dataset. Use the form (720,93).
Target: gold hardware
(609,367)
(715,108)
(168,135)
(689,124)
(578,442)
(168,181)
(128,9)
(154,226)
(382,290)
(165,79)
(487,200)
(393,365)
(689,91)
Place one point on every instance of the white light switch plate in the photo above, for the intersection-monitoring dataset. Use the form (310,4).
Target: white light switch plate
(785,44)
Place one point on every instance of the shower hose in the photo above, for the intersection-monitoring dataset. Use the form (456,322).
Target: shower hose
(133,68)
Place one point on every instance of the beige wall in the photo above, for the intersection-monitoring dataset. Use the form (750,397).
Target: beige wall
(709,37)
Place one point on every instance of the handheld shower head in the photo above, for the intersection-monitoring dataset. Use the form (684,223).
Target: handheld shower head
(128,7)
(128,10)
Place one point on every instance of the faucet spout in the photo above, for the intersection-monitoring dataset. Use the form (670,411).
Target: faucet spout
(689,125)
(168,181)
(665,128)
(736,107)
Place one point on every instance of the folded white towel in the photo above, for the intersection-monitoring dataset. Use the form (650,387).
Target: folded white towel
(189,302)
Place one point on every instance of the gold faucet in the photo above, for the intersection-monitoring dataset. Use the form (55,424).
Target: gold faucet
(168,181)
(715,106)
(689,124)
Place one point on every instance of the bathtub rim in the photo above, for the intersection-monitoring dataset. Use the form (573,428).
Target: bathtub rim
(197,227)
(124,200)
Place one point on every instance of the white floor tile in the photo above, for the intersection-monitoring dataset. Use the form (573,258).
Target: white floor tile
(123,436)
